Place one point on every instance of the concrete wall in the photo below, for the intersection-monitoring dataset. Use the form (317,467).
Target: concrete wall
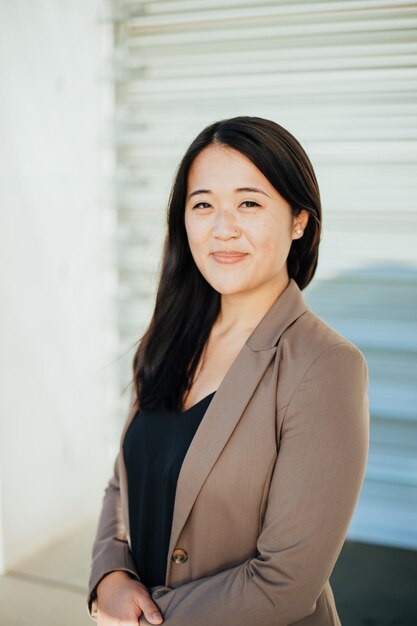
(56,282)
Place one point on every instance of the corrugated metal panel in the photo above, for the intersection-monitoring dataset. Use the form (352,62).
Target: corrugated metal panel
(341,76)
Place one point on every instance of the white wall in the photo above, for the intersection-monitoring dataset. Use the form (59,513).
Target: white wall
(56,283)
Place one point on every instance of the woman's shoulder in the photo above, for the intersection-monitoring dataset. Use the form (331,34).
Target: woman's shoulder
(317,335)
(309,340)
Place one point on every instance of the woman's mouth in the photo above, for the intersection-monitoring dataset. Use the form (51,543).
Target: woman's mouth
(229,257)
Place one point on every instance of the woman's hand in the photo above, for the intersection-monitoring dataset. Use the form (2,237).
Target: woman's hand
(121,600)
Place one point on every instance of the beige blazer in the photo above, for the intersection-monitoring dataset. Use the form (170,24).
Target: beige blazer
(268,486)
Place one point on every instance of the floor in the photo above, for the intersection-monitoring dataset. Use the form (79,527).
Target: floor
(50,588)
(375,585)
(372,585)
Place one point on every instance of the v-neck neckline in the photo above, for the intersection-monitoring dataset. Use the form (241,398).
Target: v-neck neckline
(197,403)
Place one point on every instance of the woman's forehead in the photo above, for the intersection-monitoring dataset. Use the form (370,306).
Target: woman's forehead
(217,171)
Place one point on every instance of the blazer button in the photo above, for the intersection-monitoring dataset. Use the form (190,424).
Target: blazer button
(179,555)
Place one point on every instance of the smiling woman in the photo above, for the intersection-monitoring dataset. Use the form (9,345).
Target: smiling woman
(246,186)
(245,446)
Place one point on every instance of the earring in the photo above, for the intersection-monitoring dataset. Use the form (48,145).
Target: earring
(298,231)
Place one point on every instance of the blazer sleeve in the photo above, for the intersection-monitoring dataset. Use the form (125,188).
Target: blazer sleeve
(110,549)
(314,488)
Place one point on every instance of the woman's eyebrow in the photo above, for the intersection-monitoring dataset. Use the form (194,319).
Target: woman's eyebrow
(238,189)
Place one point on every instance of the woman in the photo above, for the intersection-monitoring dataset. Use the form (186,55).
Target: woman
(246,442)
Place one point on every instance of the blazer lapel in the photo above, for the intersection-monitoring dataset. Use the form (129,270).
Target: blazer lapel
(221,417)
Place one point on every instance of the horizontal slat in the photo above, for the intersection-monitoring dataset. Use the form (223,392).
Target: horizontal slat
(177,10)
(394,403)
(253,29)
(247,42)
(378,80)
(398,472)
(128,8)
(127,56)
(376,152)
(301,14)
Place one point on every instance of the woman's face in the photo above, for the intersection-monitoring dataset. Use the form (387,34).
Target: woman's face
(223,217)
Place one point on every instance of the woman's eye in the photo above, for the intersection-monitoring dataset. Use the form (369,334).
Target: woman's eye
(250,202)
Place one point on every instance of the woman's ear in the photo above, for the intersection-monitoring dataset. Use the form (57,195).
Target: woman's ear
(299,223)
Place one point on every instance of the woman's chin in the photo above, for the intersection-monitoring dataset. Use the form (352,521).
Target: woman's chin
(228,289)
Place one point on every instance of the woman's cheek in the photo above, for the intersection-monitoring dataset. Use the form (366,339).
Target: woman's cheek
(200,259)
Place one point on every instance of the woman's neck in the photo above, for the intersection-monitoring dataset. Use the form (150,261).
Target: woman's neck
(242,312)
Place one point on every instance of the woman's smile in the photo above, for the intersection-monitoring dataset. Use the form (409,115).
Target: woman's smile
(228,257)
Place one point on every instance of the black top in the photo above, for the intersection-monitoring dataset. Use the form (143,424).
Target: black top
(154,448)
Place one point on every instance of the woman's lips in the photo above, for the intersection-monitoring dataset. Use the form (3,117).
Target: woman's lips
(228,258)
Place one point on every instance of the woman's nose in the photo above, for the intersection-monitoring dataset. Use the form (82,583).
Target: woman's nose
(225,223)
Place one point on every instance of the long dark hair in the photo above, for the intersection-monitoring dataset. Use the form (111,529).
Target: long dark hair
(186,305)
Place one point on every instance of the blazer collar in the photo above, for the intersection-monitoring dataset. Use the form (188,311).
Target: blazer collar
(287,307)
